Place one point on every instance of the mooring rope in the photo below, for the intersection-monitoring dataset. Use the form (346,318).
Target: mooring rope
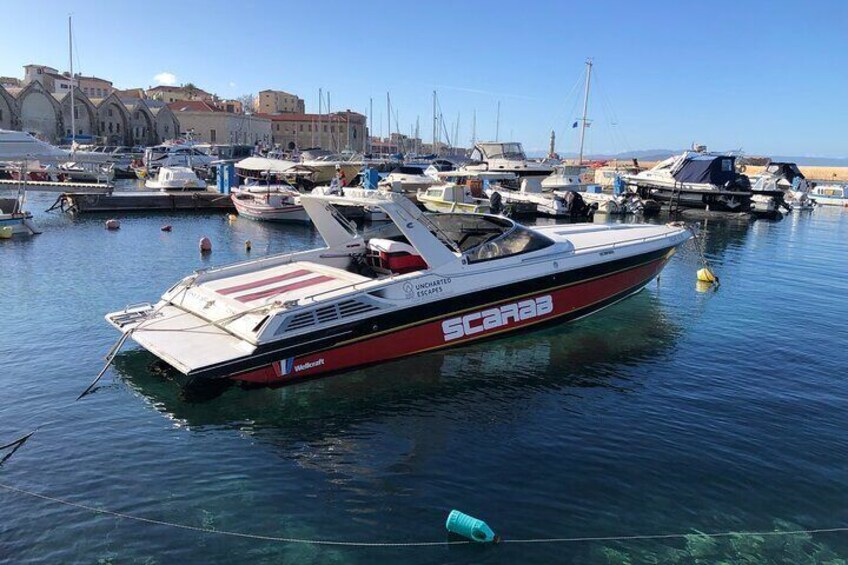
(306,541)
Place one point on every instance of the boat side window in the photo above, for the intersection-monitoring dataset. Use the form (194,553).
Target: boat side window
(518,240)
(476,155)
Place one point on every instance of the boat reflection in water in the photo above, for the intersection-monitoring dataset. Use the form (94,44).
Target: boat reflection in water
(504,376)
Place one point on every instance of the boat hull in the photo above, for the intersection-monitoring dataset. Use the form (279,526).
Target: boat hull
(291,214)
(464,319)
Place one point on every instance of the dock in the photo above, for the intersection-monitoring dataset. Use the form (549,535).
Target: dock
(144,201)
(56,186)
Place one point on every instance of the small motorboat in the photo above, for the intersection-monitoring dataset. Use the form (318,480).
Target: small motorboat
(453,197)
(831,194)
(422,283)
(269,203)
(14,220)
(411,180)
(175,178)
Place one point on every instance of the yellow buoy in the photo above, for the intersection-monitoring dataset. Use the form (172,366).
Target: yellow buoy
(702,286)
(6,232)
(706,275)
(232,217)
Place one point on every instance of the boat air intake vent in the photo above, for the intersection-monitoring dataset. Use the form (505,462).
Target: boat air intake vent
(326,314)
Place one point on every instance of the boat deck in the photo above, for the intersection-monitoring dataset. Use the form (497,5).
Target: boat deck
(292,281)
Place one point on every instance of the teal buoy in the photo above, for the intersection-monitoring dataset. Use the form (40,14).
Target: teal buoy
(470,527)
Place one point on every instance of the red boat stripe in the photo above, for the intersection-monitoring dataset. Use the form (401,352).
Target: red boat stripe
(286,288)
(263,282)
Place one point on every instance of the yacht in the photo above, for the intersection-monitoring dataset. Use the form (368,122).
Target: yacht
(508,157)
(175,178)
(422,283)
(695,179)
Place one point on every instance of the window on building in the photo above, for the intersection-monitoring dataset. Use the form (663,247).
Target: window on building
(110,127)
(1,114)
(136,115)
(325,128)
(332,129)
(354,133)
(110,112)
(102,126)
(213,136)
(301,127)
(76,113)
(118,128)
(278,127)
(167,130)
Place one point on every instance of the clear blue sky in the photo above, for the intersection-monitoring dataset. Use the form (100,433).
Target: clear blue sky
(767,77)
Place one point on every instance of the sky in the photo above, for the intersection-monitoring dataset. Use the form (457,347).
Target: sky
(766,77)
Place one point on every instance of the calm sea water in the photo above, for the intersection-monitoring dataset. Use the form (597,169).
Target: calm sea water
(674,411)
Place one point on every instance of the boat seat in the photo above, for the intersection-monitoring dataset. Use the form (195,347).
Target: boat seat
(387,256)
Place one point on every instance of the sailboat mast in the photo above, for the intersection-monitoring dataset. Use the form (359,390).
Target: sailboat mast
(320,107)
(71,58)
(435,151)
(585,109)
(389,114)
(498,123)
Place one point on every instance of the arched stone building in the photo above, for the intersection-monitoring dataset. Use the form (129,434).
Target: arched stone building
(167,125)
(142,122)
(113,120)
(85,117)
(39,112)
(8,110)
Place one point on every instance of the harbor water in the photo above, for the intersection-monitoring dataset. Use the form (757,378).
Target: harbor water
(675,411)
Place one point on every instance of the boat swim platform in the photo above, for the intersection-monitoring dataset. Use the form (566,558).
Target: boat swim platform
(56,186)
(144,201)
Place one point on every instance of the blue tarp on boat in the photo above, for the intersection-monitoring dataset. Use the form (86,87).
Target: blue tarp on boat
(711,169)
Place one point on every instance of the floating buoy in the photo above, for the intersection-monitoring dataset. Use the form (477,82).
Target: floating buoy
(166,228)
(706,275)
(113,224)
(6,232)
(205,245)
(232,217)
(701,286)
(247,245)
(470,527)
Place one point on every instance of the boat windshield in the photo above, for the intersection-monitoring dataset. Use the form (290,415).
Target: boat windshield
(481,238)
(503,151)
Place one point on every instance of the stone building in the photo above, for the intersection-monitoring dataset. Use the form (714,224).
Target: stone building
(337,132)
(278,102)
(169,94)
(59,83)
(211,124)
(109,120)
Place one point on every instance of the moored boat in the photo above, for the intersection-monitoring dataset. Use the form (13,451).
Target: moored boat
(175,178)
(831,194)
(425,282)
(278,203)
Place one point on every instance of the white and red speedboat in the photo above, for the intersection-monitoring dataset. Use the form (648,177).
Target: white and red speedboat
(427,282)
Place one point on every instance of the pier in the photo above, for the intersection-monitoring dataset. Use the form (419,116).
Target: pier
(149,201)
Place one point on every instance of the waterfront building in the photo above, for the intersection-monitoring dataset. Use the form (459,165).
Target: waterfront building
(167,125)
(59,83)
(211,124)
(142,122)
(338,131)
(10,82)
(85,114)
(169,94)
(37,111)
(279,102)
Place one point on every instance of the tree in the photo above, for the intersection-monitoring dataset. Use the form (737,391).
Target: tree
(248,102)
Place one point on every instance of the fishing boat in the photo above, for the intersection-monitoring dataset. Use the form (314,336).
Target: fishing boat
(831,194)
(422,283)
(269,203)
(695,179)
(175,178)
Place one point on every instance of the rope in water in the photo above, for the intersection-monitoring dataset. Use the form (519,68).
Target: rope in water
(304,541)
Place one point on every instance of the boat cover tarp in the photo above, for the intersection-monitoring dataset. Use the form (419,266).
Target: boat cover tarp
(789,171)
(709,169)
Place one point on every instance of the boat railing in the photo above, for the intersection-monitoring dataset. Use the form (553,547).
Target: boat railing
(626,242)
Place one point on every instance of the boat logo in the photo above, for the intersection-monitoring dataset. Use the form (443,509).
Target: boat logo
(491,318)
(287,366)
(407,289)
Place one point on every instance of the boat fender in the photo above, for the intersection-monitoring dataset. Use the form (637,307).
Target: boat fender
(113,224)
(470,527)
(205,245)
(706,275)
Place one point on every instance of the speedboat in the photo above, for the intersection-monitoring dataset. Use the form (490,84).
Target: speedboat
(565,177)
(787,178)
(410,180)
(270,203)
(453,197)
(831,194)
(422,283)
(176,178)
(695,179)
(476,192)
